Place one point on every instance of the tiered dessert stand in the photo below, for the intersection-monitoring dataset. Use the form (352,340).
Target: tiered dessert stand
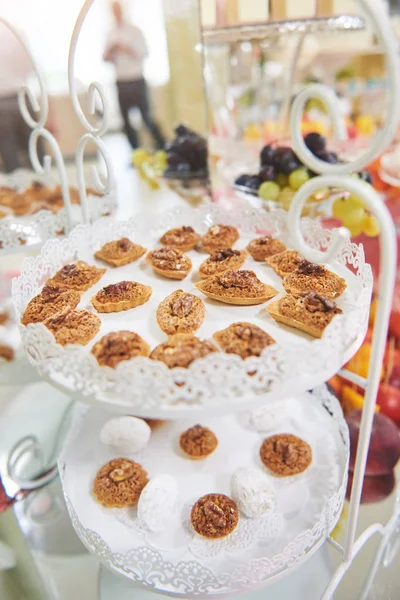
(26,234)
(241,401)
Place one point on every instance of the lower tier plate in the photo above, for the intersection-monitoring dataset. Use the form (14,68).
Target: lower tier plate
(178,561)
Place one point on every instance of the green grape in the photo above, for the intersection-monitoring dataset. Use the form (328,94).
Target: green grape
(370,226)
(339,208)
(285,197)
(298,178)
(269,190)
(282,180)
(353,217)
(160,160)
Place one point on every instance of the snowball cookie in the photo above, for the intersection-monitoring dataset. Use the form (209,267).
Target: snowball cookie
(157,502)
(253,492)
(126,435)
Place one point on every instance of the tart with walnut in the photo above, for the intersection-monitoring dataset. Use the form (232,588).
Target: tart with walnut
(119,483)
(77,276)
(237,287)
(180,312)
(244,339)
(214,516)
(222,260)
(6,195)
(286,454)
(284,262)
(309,277)
(51,300)
(181,350)
(169,262)
(20,204)
(219,237)
(121,296)
(183,238)
(264,247)
(198,442)
(73,326)
(118,346)
(120,252)
(309,312)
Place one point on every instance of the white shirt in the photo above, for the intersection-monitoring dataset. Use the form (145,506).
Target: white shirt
(15,63)
(127,67)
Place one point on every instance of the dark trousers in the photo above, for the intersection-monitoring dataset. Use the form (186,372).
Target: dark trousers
(133,94)
(14,135)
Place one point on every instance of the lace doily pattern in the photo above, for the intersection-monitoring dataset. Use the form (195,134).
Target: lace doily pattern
(199,572)
(283,369)
(18,232)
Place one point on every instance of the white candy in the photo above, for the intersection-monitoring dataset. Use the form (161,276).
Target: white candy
(253,492)
(268,418)
(126,434)
(157,502)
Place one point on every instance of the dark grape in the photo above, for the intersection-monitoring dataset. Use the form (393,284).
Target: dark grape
(267,173)
(183,168)
(267,155)
(253,182)
(315,142)
(243,180)
(173,159)
(365,176)
(187,152)
(285,160)
(329,157)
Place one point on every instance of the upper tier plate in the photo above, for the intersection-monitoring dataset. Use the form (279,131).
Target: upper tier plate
(148,388)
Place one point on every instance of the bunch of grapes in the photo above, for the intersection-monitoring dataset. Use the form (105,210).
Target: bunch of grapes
(186,154)
(281,174)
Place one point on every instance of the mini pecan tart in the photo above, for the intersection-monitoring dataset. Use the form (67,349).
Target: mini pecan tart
(284,262)
(309,277)
(77,276)
(244,339)
(121,296)
(264,247)
(120,252)
(222,260)
(219,237)
(214,516)
(117,346)
(119,483)
(37,191)
(169,262)
(198,442)
(310,312)
(184,238)
(21,204)
(73,326)
(285,454)
(181,350)
(6,353)
(51,300)
(237,287)
(7,195)
(180,312)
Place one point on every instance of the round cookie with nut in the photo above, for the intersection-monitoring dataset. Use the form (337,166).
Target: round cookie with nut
(118,346)
(219,237)
(244,339)
(119,483)
(264,247)
(181,350)
(184,238)
(214,516)
(169,262)
(124,295)
(198,442)
(222,260)
(286,454)
(180,312)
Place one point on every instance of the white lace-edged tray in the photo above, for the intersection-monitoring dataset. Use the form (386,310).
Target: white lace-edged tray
(20,233)
(218,382)
(180,562)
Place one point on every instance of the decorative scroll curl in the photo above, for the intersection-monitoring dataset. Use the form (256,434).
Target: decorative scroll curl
(95,90)
(376,14)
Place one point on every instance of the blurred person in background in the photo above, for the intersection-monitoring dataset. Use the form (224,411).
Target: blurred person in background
(126,49)
(16,68)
